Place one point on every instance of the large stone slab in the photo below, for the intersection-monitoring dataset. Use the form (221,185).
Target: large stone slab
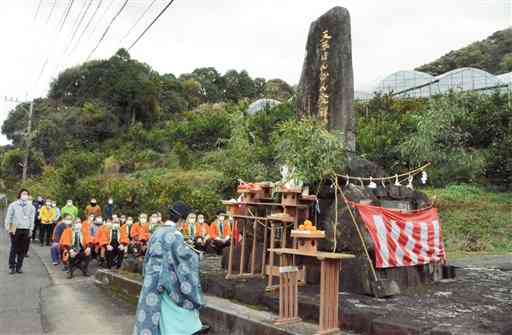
(326,88)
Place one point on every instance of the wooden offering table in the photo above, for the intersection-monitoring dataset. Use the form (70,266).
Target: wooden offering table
(329,288)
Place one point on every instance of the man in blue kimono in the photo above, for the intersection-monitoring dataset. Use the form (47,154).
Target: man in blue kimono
(171,296)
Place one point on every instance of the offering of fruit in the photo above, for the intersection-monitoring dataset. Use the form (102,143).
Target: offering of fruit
(307,226)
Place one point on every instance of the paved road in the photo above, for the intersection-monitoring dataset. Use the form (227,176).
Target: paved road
(43,301)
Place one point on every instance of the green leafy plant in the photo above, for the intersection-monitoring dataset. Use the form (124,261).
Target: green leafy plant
(310,149)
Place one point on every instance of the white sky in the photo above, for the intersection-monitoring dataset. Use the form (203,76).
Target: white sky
(266,37)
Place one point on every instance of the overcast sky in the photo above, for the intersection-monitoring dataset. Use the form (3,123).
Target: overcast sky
(266,37)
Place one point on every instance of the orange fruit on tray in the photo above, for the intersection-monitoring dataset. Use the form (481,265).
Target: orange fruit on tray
(301,227)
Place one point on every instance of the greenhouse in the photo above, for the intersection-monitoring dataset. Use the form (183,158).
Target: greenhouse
(423,85)
(261,104)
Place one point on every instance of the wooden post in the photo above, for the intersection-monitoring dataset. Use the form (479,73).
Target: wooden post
(253,253)
(329,296)
(242,252)
(271,254)
(230,258)
(264,254)
(288,292)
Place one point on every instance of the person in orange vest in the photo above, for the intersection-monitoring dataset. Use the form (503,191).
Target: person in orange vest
(137,226)
(101,235)
(97,223)
(76,241)
(202,233)
(113,243)
(139,236)
(127,227)
(93,209)
(220,233)
(56,249)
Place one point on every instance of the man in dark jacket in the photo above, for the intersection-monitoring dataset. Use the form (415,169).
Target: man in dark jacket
(109,209)
(38,204)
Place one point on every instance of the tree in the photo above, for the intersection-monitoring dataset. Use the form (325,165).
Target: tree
(12,160)
(238,86)
(129,87)
(278,89)
(489,55)
(259,85)
(212,85)
(192,91)
(172,100)
(506,63)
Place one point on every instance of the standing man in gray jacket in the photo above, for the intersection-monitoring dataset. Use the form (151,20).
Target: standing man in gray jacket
(19,222)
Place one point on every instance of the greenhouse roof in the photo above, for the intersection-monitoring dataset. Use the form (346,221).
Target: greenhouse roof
(413,83)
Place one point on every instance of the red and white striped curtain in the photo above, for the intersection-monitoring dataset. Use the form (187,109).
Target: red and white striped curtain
(404,238)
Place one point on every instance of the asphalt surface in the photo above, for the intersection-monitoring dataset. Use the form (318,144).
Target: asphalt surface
(43,301)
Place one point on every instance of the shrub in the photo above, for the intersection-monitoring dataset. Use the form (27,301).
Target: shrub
(201,128)
(12,163)
(306,145)
(443,137)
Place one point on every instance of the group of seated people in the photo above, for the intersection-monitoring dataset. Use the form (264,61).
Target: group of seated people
(76,242)
(211,237)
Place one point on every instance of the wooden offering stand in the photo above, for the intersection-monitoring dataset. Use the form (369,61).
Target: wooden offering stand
(329,288)
(257,207)
(294,207)
(307,240)
(250,212)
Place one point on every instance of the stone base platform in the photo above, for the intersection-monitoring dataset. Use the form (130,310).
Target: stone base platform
(223,315)
(478,301)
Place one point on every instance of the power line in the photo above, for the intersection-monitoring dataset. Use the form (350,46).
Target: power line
(151,24)
(38,8)
(107,29)
(78,26)
(103,16)
(42,70)
(66,14)
(87,25)
(138,20)
(51,11)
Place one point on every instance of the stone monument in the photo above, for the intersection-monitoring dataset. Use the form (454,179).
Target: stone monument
(326,88)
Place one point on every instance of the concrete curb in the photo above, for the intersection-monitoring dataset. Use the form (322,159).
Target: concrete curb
(223,315)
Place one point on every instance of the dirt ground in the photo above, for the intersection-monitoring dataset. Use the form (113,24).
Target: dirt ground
(477,301)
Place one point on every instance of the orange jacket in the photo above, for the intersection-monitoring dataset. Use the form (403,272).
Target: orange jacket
(128,231)
(104,237)
(144,233)
(67,238)
(202,230)
(90,210)
(185,231)
(86,226)
(134,234)
(215,231)
(227,229)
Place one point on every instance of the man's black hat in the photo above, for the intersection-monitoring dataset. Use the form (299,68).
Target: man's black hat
(179,210)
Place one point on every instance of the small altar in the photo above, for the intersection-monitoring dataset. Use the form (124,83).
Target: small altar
(329,287)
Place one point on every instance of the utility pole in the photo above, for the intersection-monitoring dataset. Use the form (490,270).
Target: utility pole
(28,141)
(28,136)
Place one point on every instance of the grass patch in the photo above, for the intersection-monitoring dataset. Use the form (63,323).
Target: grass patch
(474,220)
